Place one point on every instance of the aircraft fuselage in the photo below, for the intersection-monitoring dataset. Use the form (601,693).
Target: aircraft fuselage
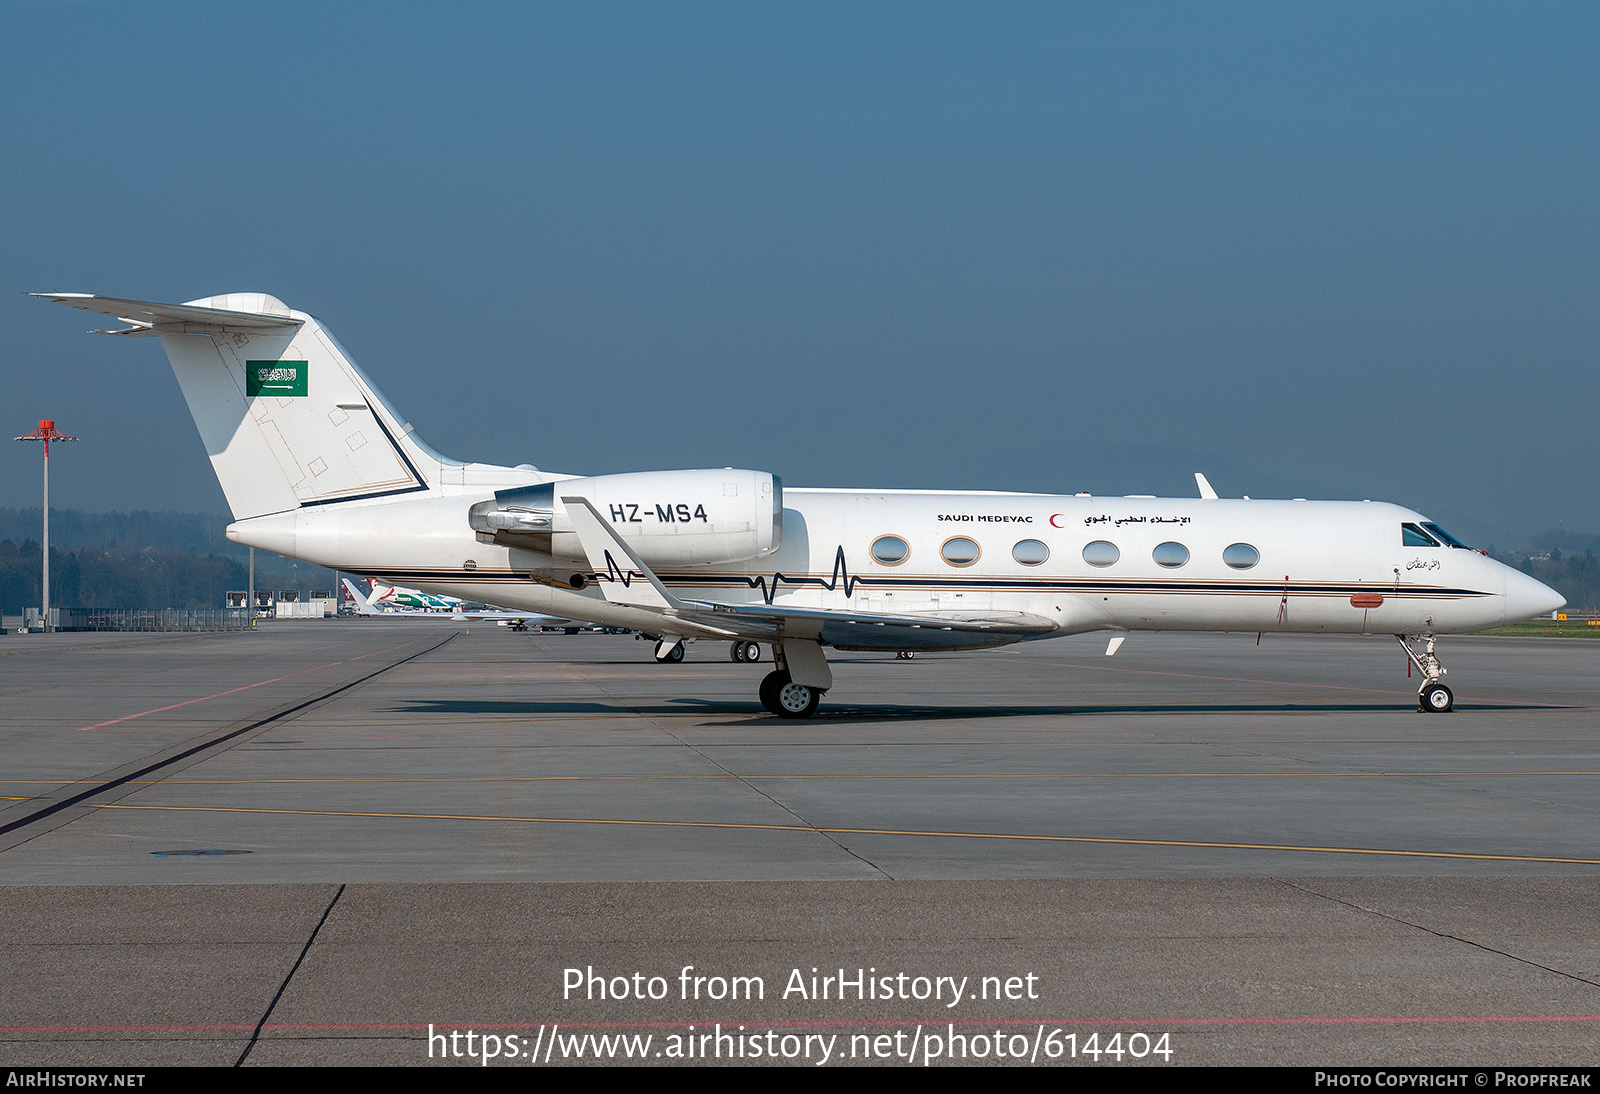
(1223,564)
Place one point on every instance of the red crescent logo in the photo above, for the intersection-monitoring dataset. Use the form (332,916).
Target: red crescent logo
(1053,517)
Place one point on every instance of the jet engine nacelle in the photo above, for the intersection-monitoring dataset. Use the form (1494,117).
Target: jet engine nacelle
(671,518)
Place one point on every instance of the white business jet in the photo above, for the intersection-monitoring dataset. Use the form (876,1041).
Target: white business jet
(317,465)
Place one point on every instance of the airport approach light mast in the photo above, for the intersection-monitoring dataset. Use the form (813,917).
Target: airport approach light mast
(46,432)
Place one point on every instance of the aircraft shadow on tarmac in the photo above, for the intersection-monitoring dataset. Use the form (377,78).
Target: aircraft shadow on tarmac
(689,663)
(889,712)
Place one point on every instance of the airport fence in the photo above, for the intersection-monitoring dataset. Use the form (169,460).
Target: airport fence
(151,619)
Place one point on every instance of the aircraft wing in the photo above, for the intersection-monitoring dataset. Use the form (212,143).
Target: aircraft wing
(873,630)
(625,579)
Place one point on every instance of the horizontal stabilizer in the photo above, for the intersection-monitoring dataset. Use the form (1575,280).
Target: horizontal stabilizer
(146,317)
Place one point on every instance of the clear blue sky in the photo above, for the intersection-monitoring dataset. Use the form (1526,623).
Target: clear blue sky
(1343,250)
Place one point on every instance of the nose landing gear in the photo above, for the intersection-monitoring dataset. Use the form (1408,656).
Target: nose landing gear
(1432,697)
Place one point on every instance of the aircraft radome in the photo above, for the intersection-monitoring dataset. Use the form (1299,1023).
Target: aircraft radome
(315,464)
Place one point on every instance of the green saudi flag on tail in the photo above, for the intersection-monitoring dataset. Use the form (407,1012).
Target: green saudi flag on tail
(286,379)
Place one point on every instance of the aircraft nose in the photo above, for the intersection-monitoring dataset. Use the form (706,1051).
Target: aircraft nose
(1526,598)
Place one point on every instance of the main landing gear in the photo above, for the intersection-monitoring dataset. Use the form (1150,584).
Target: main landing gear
(792,690)
(787,699)
(1432,697)
(797,685)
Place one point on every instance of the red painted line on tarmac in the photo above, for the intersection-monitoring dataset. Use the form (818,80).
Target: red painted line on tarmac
(204,698)
(247,687)
(1146,1023)
(391,649)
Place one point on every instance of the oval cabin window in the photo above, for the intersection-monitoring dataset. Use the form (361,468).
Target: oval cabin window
(960,551)
(1030,552)
(1241,556)
(1171,555)
(890,550)
(1101,553)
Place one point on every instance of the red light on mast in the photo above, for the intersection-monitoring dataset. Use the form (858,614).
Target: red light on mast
(46,432)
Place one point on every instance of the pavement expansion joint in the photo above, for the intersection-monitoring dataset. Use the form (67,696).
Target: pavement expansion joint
(255,1034)
(1445,935)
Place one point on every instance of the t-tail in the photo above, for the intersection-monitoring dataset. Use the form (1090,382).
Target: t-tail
(288,419)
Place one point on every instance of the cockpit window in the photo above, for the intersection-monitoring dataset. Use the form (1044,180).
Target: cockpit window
(1449,540)
(1413,536)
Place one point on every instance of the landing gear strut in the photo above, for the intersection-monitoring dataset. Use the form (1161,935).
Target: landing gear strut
(1432,697)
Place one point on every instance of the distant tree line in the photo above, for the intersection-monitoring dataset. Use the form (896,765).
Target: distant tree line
(195,533)
(136,560)
(90,577)
(1574,576)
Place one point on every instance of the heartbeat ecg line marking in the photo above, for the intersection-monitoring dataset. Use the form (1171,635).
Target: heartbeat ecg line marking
(841,578)
(617,573)
(841,575)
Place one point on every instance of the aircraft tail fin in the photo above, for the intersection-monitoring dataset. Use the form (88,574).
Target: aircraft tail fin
(287,418)
(363,605)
